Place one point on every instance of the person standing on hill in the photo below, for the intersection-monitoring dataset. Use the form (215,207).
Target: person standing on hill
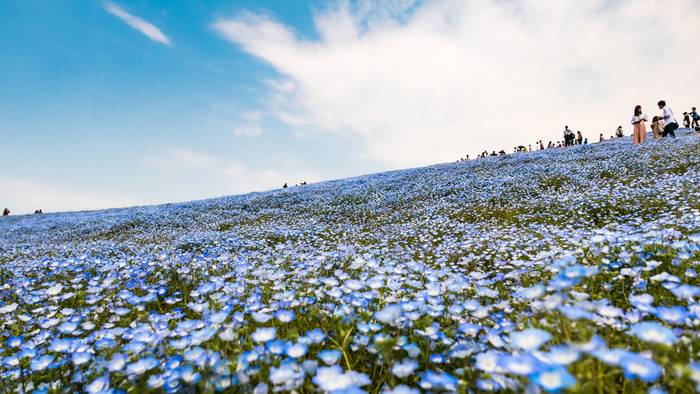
(669,120)
(6,212)
(640,127)
(696,118)
(686,120)
(579,137)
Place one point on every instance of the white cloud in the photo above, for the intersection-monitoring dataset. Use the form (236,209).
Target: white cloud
(25,196)
(148,29)
(430,82)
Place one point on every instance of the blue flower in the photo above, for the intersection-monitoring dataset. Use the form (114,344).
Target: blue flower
(519,364)
(329,357)
(14,341)
(41,363)
(438,381)
(404,368)
(553,378)
(653,332)
(530,339)
(639,367)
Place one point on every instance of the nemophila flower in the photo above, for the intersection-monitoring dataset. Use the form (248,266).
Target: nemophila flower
(261,317)
(676,315)
(8,308)
(553,378)
(488,361)
(141,366)
(80,358)
(438,358)
(643,302)
(288,376)
(284,316)
(438,381)
(277,346)
(531,293)
(530,339)
(519,364)
(609,311)
(559,355)
(117,362)
(156,381)
(218,317)
(653,332)
(333,378)
(411,349)
(329,357)
(99,385)
(639,367)
(390,314)
(41,363)
(404,368)
(264,334)
(188,374)
(14,341)
(316,335)
(296,350)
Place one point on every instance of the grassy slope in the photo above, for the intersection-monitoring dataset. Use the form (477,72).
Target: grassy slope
(503,223)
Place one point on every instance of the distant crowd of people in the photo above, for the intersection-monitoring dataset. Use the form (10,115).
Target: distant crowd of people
(663,125)
(300,184)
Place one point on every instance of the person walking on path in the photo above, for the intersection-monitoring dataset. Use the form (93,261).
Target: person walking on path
(640,127)
(669,120)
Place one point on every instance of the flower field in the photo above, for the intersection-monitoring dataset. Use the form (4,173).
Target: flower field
(562,270)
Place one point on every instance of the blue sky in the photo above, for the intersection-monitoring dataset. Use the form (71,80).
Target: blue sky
(233,96)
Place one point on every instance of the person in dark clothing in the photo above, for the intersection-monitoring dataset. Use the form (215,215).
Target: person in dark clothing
(579,137)
(696,118)
(284,186)
(6,212)
(686,120)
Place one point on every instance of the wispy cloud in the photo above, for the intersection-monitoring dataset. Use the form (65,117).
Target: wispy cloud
(146,28)
(424,82)
(248,125)
(182,158)
(237,176)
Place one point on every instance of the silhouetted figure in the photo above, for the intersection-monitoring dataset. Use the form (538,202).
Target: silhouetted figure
(619,133)
(6,212)
(696,118)
(38,212)
(284,186)
(493,153)
(601,138)
(579,137)
(585,141)
(686,120)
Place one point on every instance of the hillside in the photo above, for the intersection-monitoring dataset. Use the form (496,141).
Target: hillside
(566,268)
